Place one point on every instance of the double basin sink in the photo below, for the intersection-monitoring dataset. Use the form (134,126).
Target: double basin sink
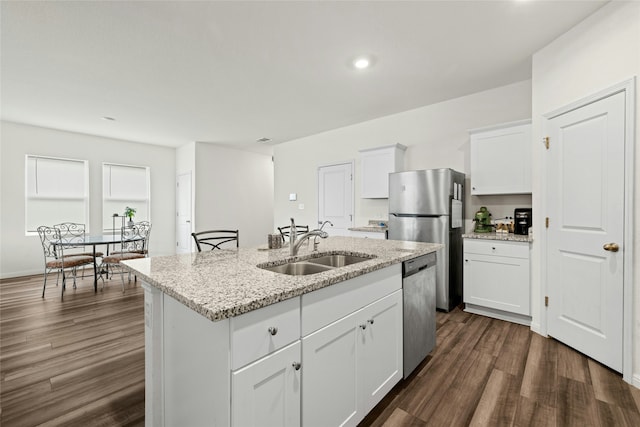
(316,265)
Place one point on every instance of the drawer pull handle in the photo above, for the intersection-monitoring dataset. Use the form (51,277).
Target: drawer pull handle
(296,365)
(273,330)
(363,326)
(370,321)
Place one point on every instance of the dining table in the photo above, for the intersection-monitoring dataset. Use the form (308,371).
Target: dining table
(94,241)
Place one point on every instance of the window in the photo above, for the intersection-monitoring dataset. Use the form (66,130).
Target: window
(123,186)
(56,190)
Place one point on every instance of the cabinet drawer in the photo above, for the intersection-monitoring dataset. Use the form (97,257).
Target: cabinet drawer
(260,332)
(496,247)
(326,305)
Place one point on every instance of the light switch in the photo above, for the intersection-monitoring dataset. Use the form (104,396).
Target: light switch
(293,197)
(301,206)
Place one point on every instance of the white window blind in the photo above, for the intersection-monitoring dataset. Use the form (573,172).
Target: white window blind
(56,190)
(123,186)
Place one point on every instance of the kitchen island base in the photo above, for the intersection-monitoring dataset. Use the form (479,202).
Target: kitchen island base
(247,370)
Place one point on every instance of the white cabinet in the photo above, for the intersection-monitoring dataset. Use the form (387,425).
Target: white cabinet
(496,279)
(267,392)
(376,164)
(345,339)
(352,364)
(501,159)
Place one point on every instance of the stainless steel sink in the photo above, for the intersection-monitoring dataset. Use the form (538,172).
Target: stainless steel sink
(298,268)
(337,260)
(315,265)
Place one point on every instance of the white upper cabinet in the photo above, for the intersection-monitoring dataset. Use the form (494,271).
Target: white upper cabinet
(501,159)
(376,164)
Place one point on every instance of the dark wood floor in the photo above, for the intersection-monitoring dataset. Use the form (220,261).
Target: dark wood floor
(80,362)
(77,362)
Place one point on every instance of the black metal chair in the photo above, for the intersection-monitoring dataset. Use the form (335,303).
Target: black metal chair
(286,231)
(134,244)
(54,245)
(73,231)
(215,238)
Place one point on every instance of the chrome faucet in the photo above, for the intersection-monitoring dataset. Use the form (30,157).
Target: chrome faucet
(315,239)
(295,243)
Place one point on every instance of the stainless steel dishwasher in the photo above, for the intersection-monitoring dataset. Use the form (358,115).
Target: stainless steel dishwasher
(419,305)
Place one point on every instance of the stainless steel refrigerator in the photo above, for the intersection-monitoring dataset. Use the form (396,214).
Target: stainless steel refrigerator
(428,206)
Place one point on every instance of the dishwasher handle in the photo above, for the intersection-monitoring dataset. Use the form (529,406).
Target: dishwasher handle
(418,264)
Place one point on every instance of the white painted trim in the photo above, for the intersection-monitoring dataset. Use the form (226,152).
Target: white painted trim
(32,272)
(398,146)
(351,162)
(500,126)
(498,314)
(627,86)
(635,381)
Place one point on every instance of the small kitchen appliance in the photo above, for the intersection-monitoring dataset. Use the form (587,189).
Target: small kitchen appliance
(483,221)
(522,218)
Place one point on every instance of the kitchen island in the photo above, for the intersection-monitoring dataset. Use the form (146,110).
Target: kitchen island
(226,341)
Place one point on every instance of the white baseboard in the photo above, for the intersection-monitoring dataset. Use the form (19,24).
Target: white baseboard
(11,274)
(498,314)
(635,380)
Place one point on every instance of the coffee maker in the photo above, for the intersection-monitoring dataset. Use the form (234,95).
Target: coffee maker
(522,218)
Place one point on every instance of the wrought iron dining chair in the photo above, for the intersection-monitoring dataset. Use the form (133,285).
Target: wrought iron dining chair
(73,231)
(285,231)
(215,238)
(133,245)
(53,246)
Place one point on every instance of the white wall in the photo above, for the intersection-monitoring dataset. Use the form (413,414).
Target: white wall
(436,137)
(22,255)
(601,51)
(234,190)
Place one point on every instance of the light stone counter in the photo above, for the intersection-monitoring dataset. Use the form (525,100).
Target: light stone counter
(370,228)
(499,236)
(227,283)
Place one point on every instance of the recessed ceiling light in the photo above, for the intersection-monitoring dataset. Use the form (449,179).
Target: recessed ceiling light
(263,140)
(361,63)
(109,119)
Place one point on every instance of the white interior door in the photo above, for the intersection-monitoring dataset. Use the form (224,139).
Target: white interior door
(585,199)
(335,197)
(183,213)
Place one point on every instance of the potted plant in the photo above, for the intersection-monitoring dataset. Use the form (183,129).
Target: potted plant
(130,213)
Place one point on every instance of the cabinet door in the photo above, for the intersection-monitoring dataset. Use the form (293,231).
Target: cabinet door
(501,161)
(267,392)
(376,165)
(497,282)
(330,365)
(379,349)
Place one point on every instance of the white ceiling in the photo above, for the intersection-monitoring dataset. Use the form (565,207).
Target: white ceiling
(173,72)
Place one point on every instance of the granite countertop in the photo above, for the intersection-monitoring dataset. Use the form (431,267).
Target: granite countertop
(375,225)
(499,236)
(371,228)
(227,283)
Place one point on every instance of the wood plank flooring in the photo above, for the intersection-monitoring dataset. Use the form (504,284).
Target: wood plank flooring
(77,362)
(487,372)
(80,362)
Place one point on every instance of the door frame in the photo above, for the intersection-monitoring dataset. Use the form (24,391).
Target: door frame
(191,221)
(353,194)
(628,87)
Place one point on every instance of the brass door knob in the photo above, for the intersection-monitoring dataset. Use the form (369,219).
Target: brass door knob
(611,247)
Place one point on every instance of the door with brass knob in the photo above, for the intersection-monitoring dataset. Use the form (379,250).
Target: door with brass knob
(585,198)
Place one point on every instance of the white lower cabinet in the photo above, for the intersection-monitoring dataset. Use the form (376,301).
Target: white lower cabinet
(323,359)
(496,279)
(350,365)
(267,392)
